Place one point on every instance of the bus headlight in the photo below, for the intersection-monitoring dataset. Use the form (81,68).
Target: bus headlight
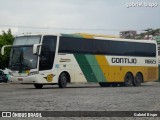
(33,73)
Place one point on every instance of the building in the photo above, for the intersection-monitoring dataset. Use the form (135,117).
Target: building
(157,38)
(148,37)
(130,34)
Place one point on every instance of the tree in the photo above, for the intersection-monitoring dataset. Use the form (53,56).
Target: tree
(5,39)
(147,32)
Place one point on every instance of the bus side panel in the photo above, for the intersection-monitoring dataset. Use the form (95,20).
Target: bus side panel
(84,62)
(78,75)
(90,68)
(119,74)
(96,68)
(68,63)
(151,74)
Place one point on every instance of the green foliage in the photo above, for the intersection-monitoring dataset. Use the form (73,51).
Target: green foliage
(153,32)
(5,39)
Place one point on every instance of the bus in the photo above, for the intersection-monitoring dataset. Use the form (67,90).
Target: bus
(46,59)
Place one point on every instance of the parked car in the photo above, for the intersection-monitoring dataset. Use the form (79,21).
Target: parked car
(3,77)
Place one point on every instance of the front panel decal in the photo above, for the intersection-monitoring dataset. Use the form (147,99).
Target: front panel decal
(96,68)
(85,67)
(90,68)
(49,77)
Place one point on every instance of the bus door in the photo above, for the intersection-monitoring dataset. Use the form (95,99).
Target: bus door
(47,56)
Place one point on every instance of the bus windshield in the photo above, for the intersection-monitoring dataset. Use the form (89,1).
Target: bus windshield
(21,56)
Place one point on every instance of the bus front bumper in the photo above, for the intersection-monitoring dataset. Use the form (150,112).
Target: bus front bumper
(29,79)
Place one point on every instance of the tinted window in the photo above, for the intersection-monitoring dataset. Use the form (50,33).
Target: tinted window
(27,40)
(75,45)
(47,53)
(107,47)
(131,49)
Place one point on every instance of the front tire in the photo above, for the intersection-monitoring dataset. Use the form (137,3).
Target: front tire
(38,86)
(62,83)
(138,79)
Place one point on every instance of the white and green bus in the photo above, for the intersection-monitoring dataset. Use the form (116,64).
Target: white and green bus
(69,58)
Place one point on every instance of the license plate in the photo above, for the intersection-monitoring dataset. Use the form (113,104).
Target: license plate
(20,79)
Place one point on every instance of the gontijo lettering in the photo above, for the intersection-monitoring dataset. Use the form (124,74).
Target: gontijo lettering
(124,60)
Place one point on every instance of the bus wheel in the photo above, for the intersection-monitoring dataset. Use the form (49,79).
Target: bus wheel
(38,86)
(128,79)
(138,79)
(62,83)
(104,84)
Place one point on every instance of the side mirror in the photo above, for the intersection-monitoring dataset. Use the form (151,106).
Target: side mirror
(35,47)
(2,49)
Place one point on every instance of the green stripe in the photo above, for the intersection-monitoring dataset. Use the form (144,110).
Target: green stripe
(96,68)
(90,68)
(88,64)
(85,67)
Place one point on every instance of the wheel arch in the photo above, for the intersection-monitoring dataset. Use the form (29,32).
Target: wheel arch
(129,72)
(68,76)
(128,78)
(141,75)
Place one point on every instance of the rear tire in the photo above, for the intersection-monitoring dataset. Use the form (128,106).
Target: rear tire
(138,79)
(62,83)
(104,84)
(128,79)
(38,86)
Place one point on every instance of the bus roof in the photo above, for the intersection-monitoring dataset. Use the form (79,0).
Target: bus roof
(128,40)
(93,36)
(105,37)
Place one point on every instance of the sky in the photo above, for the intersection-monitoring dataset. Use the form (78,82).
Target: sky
(73,16)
